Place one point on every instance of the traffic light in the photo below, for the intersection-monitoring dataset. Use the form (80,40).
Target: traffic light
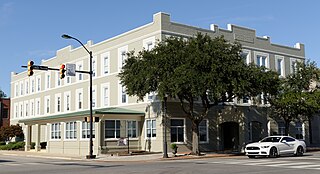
(62,71)
(30,68)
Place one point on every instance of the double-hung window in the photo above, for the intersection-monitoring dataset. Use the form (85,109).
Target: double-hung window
(177,130)
(85,130)
(132,129)
(203,131)
(71,130)
(56,131)
(112,129)
(151,131)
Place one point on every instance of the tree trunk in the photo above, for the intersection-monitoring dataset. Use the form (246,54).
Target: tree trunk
(287,127)
(195,138)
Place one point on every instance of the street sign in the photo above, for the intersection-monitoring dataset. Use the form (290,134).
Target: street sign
(71,69)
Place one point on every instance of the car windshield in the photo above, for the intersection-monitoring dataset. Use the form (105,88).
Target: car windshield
(271,139)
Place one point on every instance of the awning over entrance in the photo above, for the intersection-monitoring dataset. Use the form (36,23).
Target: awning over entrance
(103,111)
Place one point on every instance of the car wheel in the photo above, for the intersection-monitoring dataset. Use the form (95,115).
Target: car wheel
(251,156)
(273,153)
(299,151)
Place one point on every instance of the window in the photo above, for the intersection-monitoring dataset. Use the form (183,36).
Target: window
(27,87)
(245,54)
(58,79)
(21,88)
(47,104)
(32,107)
(149,43)
(105,59)
(94,97)
(71,130)
(299,131)
(16,89)
(26,108)
(293,66)
(79,68)
(32,85)
(85,130)
(255,131)
(151,131)
(246,99)
(123,95)
(79,98)
(67,98)
(122,56)
(5,113)
(203,131)
(177,130)
(132,129)
(280,65)
(56,131)
(37,106)
(105,94)
(112,129)
(68,79)
(94,67)
(58,102)
(281,128)
(21,110)
(262,59)
(48,81)
(38,84)
(16,107)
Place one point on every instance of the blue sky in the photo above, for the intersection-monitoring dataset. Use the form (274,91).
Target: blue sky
(32,29)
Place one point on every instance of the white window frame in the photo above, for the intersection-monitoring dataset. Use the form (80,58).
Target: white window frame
(67,101)
(261,54)
(293,62)
(32,108)
(282,66)
(105,98)
(26,86)
(94,66)
(32,85)
(26,109)
(16,88)
(21,109)
(115,129)
(248,56)
(16,110)
(122,52)
(79,67)
(151,128)
(21,88)
(57,109)
(68,130)
(94,97)
(47,105)
(48,80)
(55,128)
(105,66)
(121,95)
(58,81)
(149,41)
(37,105)
(131,129)
(79,99)
(38,83)
(207,132)
(87,129)
(184,130)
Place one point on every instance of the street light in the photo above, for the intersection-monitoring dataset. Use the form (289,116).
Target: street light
(165,151)
(90,156)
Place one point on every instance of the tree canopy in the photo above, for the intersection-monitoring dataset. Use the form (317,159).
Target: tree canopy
(202,68)
(9,132)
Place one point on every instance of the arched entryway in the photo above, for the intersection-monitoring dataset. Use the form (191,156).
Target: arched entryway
(230,135)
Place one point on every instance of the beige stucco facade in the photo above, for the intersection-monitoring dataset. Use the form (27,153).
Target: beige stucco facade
(46,106)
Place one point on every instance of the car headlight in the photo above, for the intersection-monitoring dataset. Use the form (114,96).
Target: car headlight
(263,147)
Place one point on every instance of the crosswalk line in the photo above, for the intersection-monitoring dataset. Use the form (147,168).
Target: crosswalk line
(305,166)
(286,164)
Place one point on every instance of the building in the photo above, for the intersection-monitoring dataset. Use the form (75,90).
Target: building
(52,110)
(4,112)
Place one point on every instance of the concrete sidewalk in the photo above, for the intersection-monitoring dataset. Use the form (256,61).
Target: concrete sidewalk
(115,158)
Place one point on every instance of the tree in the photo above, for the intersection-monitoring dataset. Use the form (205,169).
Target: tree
(298,98)
(9,132)
(2,94)
(209,69)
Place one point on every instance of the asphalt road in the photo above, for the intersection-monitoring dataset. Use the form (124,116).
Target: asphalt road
(307,164)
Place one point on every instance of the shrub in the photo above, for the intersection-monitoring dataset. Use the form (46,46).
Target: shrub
(2,143)
(173,146)
(43,145)
(33,144)
(12,146)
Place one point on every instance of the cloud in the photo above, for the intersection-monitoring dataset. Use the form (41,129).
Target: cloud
(5,12)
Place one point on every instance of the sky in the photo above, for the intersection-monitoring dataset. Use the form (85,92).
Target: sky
(31,30)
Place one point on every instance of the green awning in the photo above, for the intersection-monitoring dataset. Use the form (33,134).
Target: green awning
(115,110)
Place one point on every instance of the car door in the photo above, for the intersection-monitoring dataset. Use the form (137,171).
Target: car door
(286,145)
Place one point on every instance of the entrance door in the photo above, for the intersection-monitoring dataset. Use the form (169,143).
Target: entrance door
(230,135)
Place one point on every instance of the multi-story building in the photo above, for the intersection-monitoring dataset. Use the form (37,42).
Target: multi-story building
(52,110)
(4,111)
